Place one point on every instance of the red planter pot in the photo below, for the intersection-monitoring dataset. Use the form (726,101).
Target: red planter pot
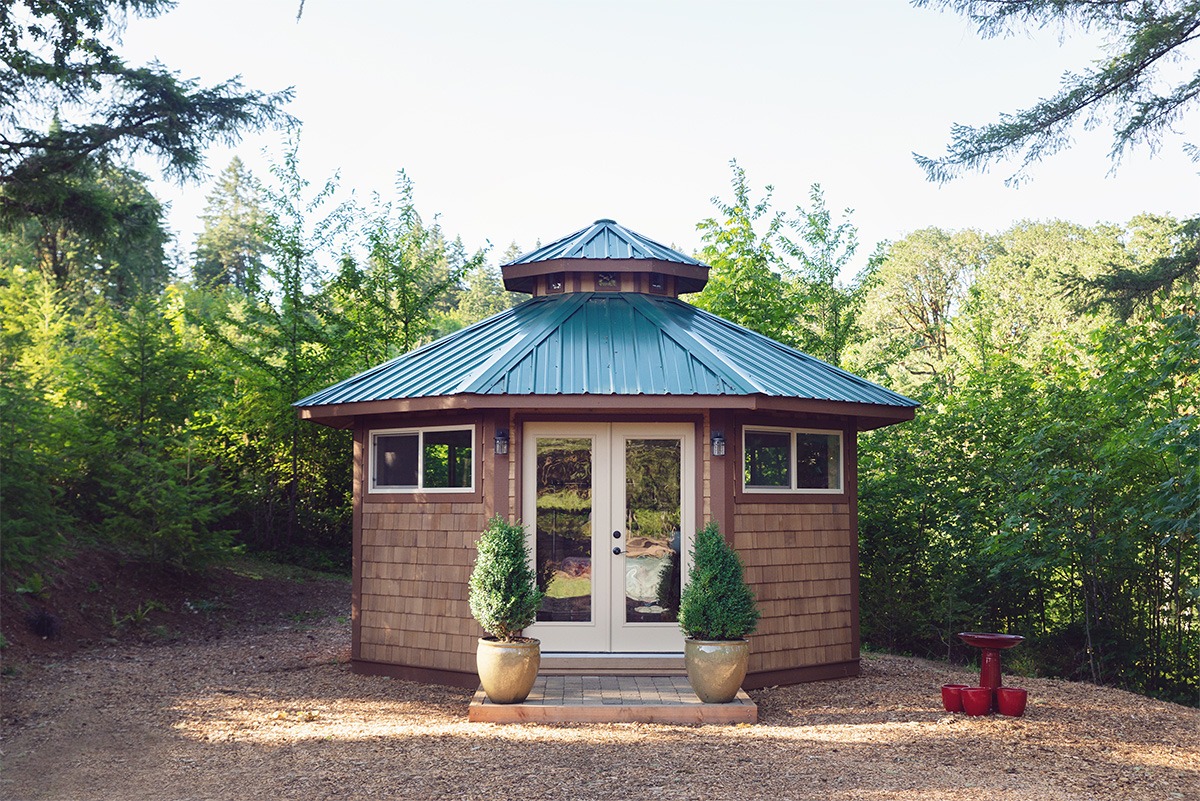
(976,700)
(1011,701)
(952,697)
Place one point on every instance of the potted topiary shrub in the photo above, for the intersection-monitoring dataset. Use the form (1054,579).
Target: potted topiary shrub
(716,612)
(504,599)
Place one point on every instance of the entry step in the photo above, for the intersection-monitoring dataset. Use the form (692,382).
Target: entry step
(582,664)
(613,699)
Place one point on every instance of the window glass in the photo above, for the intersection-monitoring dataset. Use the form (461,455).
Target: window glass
(447,459)
(396,460)
(818,460)
(768,458)
(792,459)
(427,459)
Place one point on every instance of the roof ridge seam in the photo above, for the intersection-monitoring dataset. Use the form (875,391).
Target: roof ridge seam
(857,379)
(684,338)
(478,379)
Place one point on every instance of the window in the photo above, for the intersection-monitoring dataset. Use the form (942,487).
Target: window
(433,459)
(606,281)
(792,460)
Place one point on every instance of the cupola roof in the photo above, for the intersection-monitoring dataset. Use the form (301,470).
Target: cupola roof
(607,247)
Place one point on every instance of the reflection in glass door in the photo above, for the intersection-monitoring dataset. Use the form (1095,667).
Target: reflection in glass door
(652,530)
(563,543)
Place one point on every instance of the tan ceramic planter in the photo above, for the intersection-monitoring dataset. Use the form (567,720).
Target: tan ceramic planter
(507,670)
(716,668)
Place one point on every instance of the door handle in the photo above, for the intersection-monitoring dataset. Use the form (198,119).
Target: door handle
(616,550)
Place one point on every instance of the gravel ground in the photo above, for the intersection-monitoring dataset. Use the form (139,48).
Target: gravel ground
(277,714)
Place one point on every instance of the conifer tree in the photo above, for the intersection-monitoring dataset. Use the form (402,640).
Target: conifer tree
(230,249)
(1135,83)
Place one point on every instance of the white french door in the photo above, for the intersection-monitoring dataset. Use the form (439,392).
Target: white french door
(609,511)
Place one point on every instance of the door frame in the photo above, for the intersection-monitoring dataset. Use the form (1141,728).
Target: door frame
(608,632)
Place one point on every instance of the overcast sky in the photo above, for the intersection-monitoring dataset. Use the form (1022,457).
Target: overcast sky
(520,121)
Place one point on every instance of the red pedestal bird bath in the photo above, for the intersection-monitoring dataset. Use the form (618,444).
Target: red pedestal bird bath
(992,645)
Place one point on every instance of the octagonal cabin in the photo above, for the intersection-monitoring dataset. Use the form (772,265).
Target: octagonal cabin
(613,420)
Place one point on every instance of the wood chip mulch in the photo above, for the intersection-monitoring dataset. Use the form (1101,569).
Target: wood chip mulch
(277,714)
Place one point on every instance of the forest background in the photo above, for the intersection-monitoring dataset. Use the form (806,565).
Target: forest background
(1049,484)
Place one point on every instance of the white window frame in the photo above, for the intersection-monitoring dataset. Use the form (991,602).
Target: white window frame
(793,489)
(420,431)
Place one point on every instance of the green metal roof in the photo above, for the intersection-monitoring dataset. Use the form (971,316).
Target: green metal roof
(604,344)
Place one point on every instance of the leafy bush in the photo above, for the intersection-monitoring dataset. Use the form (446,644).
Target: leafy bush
(716,604)
(504,597)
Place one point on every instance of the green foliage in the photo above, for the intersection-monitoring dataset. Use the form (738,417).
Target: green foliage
(268,348)
(1165,254)
(744,284)
(36,429)
(1051,490)
(97,231)
(504,597)
(1132,82)
(33,585)
(391,299)
(160,508)
(827,310)
(716,604)
(918,287)
(483,295)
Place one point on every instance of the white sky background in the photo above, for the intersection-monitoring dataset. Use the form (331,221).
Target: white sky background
(529,119)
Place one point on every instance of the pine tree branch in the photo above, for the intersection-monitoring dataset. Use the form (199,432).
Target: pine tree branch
(1150,33)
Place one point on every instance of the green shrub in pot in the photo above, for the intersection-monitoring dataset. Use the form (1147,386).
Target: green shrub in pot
(504,599)
(716,612)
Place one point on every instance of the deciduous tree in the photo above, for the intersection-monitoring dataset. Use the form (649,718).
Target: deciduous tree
(827,305)
(741,246)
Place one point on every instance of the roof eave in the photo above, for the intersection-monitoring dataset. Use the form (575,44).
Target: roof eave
(522,277)
(867,416)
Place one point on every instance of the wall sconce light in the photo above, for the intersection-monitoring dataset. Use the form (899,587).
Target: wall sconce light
(718,444)
(502,441)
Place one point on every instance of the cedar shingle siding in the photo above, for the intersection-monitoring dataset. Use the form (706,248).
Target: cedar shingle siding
(415,566)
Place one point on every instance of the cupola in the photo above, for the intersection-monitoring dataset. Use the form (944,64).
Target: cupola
(604,257)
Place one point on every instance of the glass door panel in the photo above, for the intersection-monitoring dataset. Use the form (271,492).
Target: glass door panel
(563,542)
(652,530)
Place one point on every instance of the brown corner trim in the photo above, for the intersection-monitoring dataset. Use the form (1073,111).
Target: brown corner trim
(800,675)
(448,678)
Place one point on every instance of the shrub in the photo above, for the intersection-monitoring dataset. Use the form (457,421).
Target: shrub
(504,597)
(716,603)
